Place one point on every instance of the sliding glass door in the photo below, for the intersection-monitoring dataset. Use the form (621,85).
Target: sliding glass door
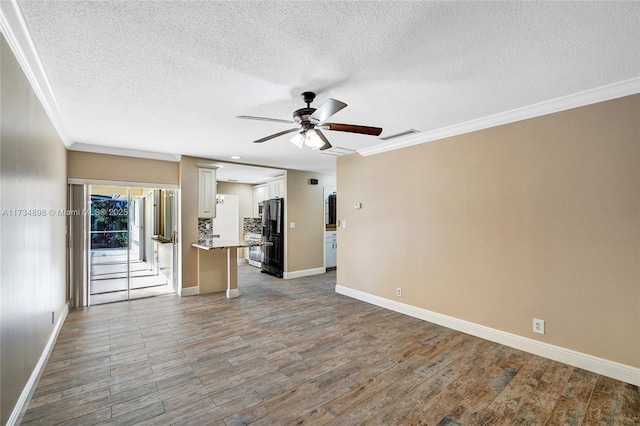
(130,255)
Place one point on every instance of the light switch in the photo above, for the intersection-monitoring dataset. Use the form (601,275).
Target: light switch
(292,225)
(344,223)
(357,205)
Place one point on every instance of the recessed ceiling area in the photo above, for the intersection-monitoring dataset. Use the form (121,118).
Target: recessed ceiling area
(241,173)
(170,77)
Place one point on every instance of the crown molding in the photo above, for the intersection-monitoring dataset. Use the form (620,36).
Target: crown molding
(592,96)
(123,152)
(15,31)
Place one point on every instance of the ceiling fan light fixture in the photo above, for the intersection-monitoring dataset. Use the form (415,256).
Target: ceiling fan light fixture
(298,140)
(312,140)
(312,122)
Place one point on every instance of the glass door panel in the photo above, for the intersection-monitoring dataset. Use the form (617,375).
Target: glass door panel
(132,251)
(150,253)
(109,244)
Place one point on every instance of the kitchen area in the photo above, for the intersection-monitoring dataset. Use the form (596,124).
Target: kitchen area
(251,224)
(229,234)
(267,225)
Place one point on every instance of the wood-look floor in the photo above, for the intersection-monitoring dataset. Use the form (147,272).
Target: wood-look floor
(295,352)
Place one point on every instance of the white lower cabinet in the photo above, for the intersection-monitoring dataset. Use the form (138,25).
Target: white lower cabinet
(331,249)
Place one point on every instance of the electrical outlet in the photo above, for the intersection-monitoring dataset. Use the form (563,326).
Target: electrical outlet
(538,326)
(399,292)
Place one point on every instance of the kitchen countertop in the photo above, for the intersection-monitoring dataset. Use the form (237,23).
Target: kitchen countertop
(216,243)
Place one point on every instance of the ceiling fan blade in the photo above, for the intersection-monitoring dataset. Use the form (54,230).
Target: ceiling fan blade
(276,120)
(326,145)
(327,109)
(275,135)
(352,128)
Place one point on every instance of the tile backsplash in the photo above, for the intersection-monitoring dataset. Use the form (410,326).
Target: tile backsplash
(252,225)
(203,232)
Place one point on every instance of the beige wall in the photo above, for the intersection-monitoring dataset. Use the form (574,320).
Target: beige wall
(89,165)
(189,219)
(32,248)
(304,205)
(539,218)
(211,271)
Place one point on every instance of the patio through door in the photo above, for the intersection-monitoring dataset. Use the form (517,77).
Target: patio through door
(131,243)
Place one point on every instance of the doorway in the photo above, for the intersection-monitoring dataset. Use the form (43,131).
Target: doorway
(330,229)
(131,243)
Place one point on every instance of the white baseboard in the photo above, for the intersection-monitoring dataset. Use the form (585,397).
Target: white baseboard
(303,273)
(189,291)
(615,370)
(37,370)
(233,293)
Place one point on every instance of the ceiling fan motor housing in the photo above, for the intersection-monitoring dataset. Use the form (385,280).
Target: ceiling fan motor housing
(308,97)
(302,115)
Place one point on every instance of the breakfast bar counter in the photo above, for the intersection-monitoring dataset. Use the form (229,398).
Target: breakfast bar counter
(218,265)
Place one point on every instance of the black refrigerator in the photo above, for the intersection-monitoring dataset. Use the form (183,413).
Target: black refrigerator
(273,232)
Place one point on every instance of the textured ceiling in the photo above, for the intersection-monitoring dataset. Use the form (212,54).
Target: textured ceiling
(170,76)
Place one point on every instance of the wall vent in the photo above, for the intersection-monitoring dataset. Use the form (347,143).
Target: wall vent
(397,135)
(337,151)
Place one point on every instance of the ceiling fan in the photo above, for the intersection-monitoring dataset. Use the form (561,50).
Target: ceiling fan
(312,122)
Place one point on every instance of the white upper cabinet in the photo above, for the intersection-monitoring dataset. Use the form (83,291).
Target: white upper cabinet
(276,188)
(267,191)
(206,192)
(259,195)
